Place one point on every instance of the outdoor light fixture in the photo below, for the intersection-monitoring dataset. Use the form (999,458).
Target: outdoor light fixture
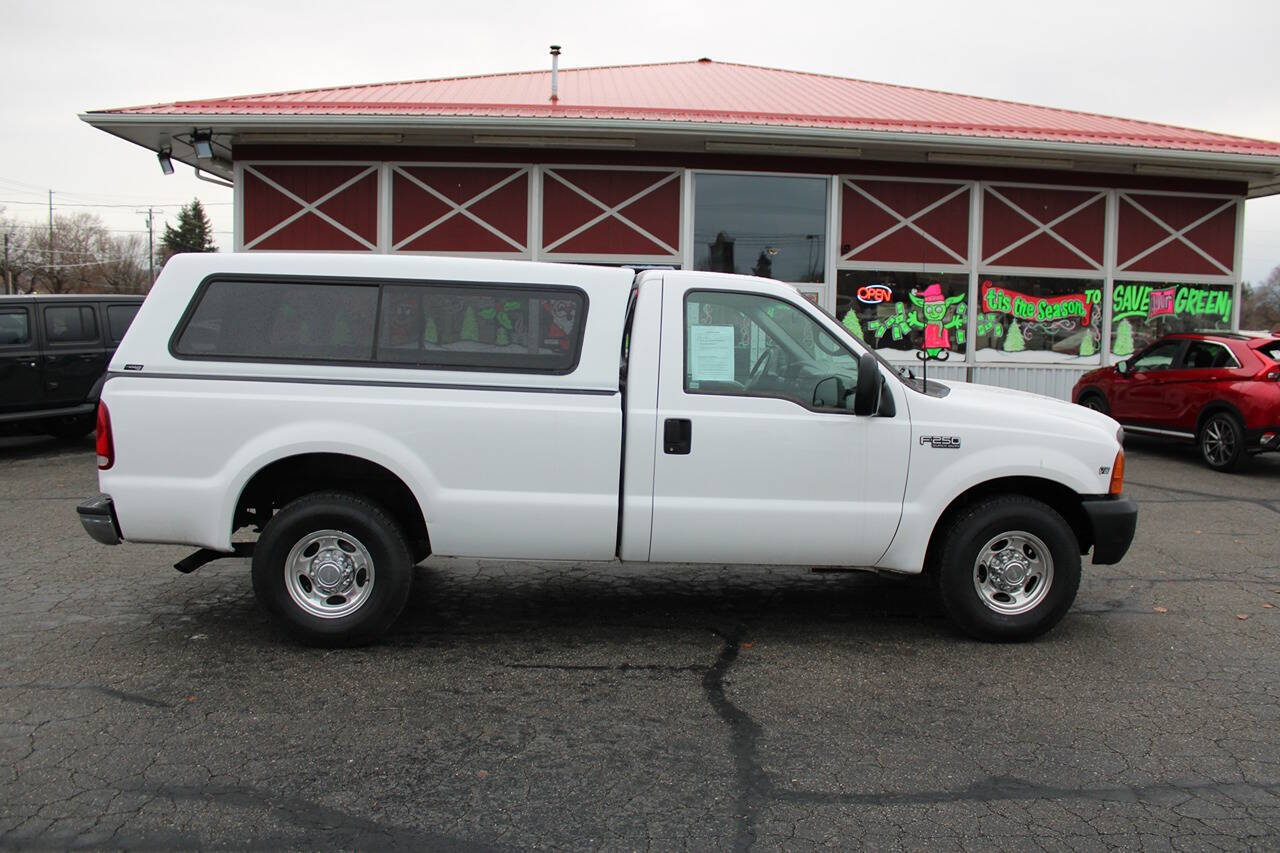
(202,142)
(556,141)
(1012,161)
(781,148)
(166,160)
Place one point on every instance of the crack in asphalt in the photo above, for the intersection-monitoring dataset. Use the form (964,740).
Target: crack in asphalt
(1010,788)
(754,785)
(122,695)
(1205,496)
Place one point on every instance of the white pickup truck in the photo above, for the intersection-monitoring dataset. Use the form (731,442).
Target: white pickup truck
(363,412)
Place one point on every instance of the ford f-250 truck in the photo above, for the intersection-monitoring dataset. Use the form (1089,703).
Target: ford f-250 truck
(364,412)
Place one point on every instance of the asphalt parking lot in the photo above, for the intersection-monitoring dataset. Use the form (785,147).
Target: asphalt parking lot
(662,707)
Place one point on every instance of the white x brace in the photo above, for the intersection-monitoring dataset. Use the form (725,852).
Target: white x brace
(312,207)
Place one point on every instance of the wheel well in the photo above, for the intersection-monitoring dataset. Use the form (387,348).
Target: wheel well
(1065,501)
(292,477)
(1215,407)
(1092,391)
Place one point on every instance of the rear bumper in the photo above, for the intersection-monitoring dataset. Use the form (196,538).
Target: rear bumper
(1114,521)
(1262,439)
(98,516)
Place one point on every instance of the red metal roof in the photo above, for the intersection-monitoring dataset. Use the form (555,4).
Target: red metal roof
(718,93)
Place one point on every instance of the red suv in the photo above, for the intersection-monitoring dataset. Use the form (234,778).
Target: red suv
(1219,389)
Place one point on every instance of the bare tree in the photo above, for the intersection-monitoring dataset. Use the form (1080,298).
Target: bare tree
(1260,303)
(84,257)
(125,267)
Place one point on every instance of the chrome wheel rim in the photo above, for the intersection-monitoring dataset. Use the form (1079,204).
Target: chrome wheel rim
(1219,442)
(1093,403)
(329,574)
(1013,572)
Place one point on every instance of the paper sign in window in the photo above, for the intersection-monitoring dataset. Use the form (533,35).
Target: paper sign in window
(711,353)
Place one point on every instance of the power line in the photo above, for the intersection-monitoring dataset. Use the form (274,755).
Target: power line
(152,204)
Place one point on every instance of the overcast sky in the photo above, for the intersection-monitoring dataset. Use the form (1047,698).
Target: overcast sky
(1210,66)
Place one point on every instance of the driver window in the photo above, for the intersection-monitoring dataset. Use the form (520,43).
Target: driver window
(1159,357)
(747,344)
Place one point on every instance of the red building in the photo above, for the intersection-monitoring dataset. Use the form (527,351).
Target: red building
(1056,240)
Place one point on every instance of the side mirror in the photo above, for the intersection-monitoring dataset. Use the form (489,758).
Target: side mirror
(866,398)
(1122,368)
(830,393)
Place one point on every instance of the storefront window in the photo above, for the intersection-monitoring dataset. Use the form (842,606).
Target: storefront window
(760,225)
(1143,312)
(1039,320)
(899,313)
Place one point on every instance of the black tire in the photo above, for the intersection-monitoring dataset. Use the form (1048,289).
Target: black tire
(377,539)
(1096,401)
(1015,517)
(1220,441)
(71,428)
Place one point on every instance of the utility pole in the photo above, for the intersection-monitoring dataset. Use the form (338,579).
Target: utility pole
(151,244)
(50,232)
(8,276)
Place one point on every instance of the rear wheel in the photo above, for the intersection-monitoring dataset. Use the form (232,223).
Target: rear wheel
(334,569)
(1221,441)
(1009,568)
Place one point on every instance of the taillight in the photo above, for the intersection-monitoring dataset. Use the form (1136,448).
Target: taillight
(1117,475)
(106,447)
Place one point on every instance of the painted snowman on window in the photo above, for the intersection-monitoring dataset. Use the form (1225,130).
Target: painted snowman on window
(935,308)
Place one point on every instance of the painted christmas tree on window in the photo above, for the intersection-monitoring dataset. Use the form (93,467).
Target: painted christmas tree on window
(1124,339)
(1087,347)
(1013,341)
(853,324)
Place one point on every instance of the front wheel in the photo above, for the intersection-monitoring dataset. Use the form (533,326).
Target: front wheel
(1097,402)
(334,568)
(1221,441)
(1009,568)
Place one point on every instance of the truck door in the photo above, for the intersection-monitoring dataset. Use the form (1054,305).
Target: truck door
(74,353)
(20,386)
(748,468)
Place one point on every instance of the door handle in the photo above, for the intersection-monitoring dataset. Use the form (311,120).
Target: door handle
(677,436)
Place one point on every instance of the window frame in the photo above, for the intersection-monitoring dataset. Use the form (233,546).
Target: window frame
(1182,365)
(1175,362)
(684,355)
(81,307)
(106,316)
(378,283)
(20,311)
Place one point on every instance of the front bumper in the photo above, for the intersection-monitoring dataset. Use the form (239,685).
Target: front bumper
(98,516)
(1114,521)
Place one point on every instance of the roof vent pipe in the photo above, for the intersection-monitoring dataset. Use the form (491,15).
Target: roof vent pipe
(555,73)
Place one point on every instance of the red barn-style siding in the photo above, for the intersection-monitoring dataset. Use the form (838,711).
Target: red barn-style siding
(1174,234)
(310,206)
(890,221)
(1043,227)
(460,209)
(610,212)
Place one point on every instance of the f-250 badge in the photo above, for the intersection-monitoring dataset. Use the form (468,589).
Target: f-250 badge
(943,442)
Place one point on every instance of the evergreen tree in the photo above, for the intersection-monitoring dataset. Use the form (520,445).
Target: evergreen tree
(1013,341)
(1087,347)
(853,324)
(1124,339)
(470,328)
(193,234)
